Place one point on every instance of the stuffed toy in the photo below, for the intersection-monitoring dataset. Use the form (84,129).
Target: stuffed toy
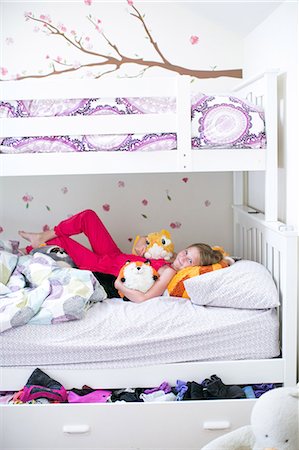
(274,424)
(56,253)
(138,275)
(159,245)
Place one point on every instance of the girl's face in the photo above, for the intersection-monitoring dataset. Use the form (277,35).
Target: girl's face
(186,258)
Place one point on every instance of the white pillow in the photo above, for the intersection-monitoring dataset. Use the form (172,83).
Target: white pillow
(245,284)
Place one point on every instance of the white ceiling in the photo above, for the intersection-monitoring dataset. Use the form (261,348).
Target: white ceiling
(241,16)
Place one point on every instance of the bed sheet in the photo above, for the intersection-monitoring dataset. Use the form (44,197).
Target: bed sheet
(218,121)
(118,334)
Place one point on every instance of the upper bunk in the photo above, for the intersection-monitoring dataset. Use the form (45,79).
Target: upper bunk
(175,121)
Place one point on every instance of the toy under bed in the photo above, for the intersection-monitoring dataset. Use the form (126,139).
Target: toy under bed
(217,121)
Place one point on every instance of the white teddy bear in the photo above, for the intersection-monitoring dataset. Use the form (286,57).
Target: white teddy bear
(274,425)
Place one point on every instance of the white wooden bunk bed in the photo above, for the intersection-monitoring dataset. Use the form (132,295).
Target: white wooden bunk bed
(258,237)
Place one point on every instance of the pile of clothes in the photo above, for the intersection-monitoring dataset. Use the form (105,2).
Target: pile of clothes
(40,388)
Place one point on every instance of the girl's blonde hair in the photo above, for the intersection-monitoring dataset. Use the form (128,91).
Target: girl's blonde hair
(207,255)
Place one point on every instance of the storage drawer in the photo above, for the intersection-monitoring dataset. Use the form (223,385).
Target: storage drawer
(178,425)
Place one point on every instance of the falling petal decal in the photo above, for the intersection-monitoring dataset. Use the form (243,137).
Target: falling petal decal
(175,225)
(194,40)
(106,207)
(27,198)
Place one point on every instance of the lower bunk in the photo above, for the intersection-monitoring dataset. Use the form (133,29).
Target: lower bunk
(176,340)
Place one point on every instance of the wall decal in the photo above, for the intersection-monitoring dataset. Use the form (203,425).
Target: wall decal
(175,225)
(106,207)
(27,198)
(111,60)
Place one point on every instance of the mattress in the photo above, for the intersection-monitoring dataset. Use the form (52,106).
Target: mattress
(118,334)
(218,121)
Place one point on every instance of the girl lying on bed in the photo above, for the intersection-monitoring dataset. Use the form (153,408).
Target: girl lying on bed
(106,258)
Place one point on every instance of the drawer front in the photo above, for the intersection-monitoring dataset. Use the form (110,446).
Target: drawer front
(187,425)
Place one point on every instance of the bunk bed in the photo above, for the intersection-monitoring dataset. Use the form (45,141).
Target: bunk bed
(257,237)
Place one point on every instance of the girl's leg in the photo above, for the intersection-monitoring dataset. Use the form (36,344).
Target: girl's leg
(82,256)
(86,222)
(90,224)
(37,239)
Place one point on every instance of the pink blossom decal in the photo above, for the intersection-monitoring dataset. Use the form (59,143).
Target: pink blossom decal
(62,28)
(4,71)
(194,40)
(72,38)
(28,14)
(185,179)
(27,198)
(121,184)
(1,229)
(64,190)
(144,202)
(175,225)
(106,207)
(207,203)
(46,228)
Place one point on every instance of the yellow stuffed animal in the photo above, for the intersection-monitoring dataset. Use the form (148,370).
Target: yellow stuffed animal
(159,245)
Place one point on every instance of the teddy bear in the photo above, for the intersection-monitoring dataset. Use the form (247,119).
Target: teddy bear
(138,275)
(274,424)
(158,245)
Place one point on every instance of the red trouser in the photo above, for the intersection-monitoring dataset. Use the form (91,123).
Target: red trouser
(105,255)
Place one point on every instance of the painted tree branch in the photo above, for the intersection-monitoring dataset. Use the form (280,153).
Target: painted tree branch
(119,59)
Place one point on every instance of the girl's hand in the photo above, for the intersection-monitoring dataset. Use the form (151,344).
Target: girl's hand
(165,272)
(118,283)
(140,246)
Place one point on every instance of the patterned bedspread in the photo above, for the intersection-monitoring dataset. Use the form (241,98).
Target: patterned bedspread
(35,289)
(218,121)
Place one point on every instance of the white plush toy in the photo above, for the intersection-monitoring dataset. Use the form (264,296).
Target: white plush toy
(274,425)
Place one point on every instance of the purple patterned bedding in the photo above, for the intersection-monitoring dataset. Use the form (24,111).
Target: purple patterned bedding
(217,122)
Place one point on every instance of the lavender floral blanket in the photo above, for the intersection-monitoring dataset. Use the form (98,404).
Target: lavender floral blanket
(34,289)
(218,121)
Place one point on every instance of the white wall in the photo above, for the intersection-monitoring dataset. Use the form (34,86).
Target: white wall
(277,42)
(207,215)
(274,44)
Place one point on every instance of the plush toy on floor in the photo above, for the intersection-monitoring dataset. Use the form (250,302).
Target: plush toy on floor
(138,275)
(159,245)
(274,425)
